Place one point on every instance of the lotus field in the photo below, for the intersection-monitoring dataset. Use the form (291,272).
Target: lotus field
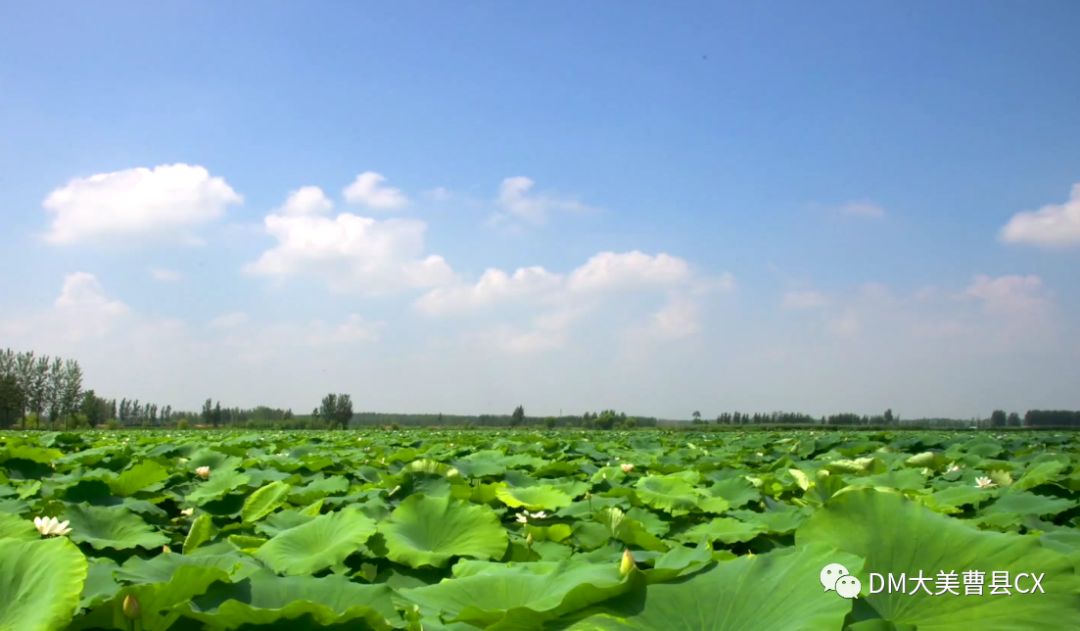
(555,530)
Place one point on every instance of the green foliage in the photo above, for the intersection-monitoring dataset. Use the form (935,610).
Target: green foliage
(526,529)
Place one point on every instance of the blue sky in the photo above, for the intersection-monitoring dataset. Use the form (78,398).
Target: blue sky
(715,207)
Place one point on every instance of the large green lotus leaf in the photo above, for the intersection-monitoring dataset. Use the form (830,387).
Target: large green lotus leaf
(15,527)
(100,583)
(428,531)
(145,475)
(201,530)
(318,544)
(778,590)
(283,520)
(40,583)
(679,561)
(951,499)
(723,529)
(669,493)
(31,453)
(265,598)
(1039,474)
(534,498)
(319,488)
(219,484)
(264,501)
(163,567)
(1013,505)
(520,595)
(895,535)
(111,527)
(160,604)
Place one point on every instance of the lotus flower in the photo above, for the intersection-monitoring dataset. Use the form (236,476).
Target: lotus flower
(51,526)
(984,482)
(953,467)
(203,472)
(187,512)
(524,516)
(627,563)
(131,607)
(626,467)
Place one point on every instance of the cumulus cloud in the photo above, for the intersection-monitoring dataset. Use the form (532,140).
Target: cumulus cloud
(1008,295)
(349,252)
(494,286)
(862,208)
(368,190)
(167,201)
(306,200)
(1052,226)
(680,317)
(517,200)
(558,301)
(803,299)
(611,271)
(83,310)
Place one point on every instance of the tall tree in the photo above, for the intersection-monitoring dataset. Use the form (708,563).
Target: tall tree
(998,418)
(11,401)
(518,417)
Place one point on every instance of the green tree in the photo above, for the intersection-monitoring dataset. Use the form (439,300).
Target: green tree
(336,410)
(518,417)
(606,419)
(998,418)
(888,417)
(12,401)
(94,409)
(697,416)
(1013,419)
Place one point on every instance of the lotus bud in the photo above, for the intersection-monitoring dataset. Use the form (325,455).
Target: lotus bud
(203,472)
(529,539)
(627,467)
(131,607)
(166,549)
(627,563)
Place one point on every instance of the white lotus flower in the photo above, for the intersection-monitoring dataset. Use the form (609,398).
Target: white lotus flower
(51,526)
(524,516)
(627,467)
(984,482)
(187,512)
(953,467)
(203,472)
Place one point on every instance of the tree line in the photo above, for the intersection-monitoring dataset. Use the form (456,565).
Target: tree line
(38,391)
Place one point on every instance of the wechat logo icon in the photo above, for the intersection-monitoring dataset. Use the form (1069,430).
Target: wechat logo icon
(835,577)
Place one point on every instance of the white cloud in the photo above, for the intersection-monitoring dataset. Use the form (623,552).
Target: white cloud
(803,299)
(1008,295)
(494,286)
(556,302)
(862,208)
(518,201)
(368,190)
(1052,226)
(614,271)
(83,308)
(679,318)
(165,202)
(306,200)
(164,275)
(349,252)
(230,320)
